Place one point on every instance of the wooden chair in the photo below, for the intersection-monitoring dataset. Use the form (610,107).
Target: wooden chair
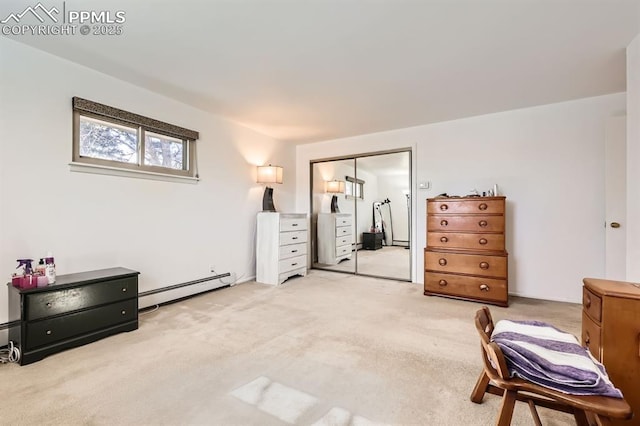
(587,410)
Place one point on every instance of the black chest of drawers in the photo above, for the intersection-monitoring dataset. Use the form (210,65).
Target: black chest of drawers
(76,310)
(372,240)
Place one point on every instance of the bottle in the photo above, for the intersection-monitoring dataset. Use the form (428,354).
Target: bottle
(41,268)
(50,268)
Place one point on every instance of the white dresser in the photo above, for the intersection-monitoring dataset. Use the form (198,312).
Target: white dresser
(335,237)
(281,246)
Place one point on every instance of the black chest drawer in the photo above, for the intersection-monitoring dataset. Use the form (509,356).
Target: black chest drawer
(42,305)
(78,309)
(48,331)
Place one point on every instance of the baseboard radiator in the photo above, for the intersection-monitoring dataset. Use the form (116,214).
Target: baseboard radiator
(7,325)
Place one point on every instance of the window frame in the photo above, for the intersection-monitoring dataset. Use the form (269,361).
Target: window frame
(141,125)
(354,183)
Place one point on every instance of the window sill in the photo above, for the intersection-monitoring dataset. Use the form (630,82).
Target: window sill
(139,174)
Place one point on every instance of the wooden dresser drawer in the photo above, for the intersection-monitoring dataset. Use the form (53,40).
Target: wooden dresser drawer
(468,241)
(473,264)
(49,331)
(592,305)
(591,336)
(467,206)
(293,224)
(468,287)
(478,223)
(48,303)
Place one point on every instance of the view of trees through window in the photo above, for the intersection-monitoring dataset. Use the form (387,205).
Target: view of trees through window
(108,141)
(114,142)
(163,151)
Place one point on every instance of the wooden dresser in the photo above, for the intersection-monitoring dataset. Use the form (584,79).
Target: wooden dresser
(611,331)
(465,255)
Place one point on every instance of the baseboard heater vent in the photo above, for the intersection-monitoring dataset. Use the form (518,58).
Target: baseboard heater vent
(186,284)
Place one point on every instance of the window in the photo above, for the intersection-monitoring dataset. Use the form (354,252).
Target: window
(106,136)
(354,188)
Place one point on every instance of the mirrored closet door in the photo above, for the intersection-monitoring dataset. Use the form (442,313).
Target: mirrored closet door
(361,214)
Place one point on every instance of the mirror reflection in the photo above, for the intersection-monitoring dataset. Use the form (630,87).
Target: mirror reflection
(333,216)
(361,215)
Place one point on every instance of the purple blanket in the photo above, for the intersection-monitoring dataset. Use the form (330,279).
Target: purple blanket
(544,355)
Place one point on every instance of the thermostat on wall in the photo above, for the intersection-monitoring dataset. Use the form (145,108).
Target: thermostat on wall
(424,185)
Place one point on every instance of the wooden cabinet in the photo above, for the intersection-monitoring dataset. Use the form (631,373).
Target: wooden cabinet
(281,246)
(335,237)
(465,255)
(77,309)
(611,331)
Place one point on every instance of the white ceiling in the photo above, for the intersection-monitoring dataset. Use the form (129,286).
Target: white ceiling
(310,70)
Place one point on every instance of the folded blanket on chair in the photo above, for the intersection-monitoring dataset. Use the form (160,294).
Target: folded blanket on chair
(542,354)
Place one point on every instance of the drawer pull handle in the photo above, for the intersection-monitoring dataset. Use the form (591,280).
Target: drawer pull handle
(294,224)
(443,239)
(587,301)
(484,265)
(484,287)
(123,312)
(442,283)
(483,206)
(442,262)
(48,332)
(443,222)
(124,289)
(294,238)
(482,241)
(48,304)
(482,223)
(294,251)
(294,264)
(444,207)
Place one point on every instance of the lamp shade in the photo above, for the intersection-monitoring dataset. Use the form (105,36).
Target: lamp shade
(334,186)
(269,174)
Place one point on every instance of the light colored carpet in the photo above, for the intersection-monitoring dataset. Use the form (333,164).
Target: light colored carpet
(327,349)
(389,262)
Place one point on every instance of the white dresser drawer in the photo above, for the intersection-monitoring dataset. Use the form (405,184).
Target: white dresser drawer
(342,250)
(293,224)
(343,230)
(292,250)
(293,237)
(343,241)
(343,221)
(292,263)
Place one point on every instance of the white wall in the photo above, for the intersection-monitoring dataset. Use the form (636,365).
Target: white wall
(548,161)
(633,160)
(170,232)
(391,187)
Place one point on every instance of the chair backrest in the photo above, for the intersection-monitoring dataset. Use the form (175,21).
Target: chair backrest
(494,362)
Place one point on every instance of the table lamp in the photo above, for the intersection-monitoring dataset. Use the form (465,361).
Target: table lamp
(269,174)
(334,187)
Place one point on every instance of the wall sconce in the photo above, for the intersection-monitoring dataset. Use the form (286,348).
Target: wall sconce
(269,174)
(334,187)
